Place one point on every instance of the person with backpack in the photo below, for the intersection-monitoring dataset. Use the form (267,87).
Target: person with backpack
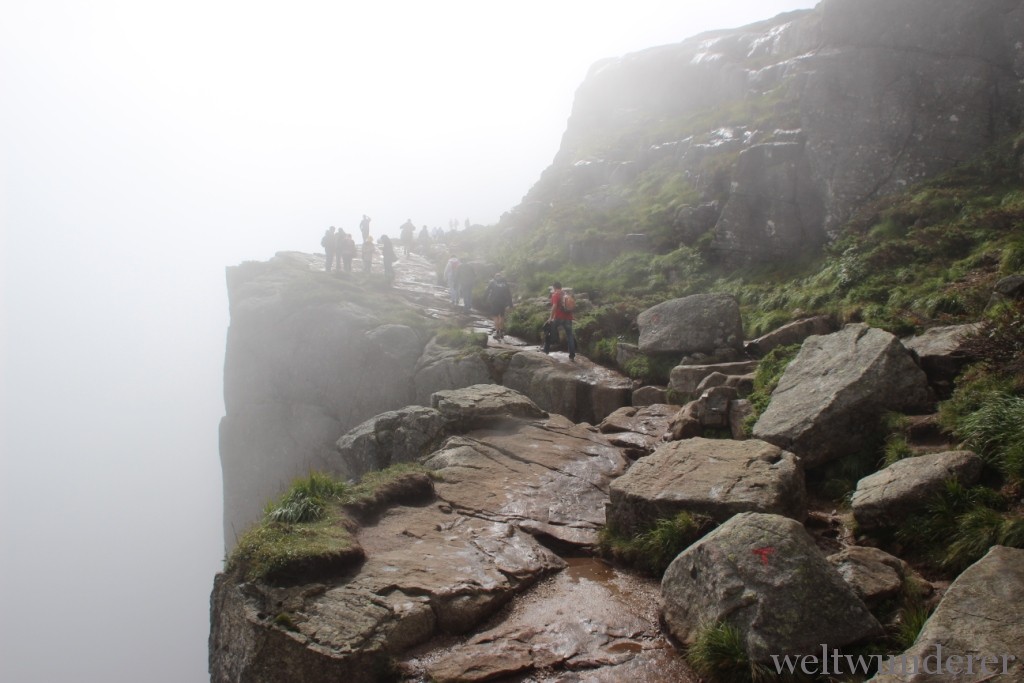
(498,298)
(408,233)
(346,249)
(364,227)
(465,279)
(563,303)
(327,242)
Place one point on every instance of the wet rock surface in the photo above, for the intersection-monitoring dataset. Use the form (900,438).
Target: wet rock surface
(714,477)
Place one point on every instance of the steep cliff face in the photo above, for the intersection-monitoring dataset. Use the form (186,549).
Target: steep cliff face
(761,141)
(305,362)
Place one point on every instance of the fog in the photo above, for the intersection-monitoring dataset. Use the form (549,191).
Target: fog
(146,146)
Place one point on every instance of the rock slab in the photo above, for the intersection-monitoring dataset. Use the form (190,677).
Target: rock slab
(701,323)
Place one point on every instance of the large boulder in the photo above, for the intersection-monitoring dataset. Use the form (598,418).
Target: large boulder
(975,633)
(714,477)
(831,397)
(397,436)
(701,323)
(763,575)
(468,407)
(874,574)
(885,498)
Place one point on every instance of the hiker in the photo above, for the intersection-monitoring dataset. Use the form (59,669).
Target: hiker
(408,232)
(346,249)
(562,304)
(498,297)
(327,242)
(367,254)
(449,278)
(424,240)
(465,278)
(364,227)
(387,252)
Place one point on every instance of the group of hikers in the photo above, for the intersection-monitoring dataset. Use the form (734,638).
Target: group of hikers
(340,248)
(460,276)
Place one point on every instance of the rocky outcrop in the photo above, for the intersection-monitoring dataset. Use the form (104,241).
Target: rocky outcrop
(887,497)
(841,384)
(829,109)
(304,363)
(441,367)
(390,438)
(510,476)
(714,477)
(975,633)
(763,575)
(702,323)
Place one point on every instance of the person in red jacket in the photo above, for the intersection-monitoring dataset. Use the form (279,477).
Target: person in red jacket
(560,318)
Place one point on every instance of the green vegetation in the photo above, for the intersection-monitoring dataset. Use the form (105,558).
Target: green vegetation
(719,653)
(653,549)
(307,527)
(458,338)
(766,378)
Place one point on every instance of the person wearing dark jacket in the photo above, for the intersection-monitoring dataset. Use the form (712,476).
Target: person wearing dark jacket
(498,297)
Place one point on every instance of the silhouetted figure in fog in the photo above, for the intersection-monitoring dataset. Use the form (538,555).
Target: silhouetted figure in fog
(424,240)
(364,227)
(498,299)
(345,251)
(367,254)
(465,278)
(407,235)
(450,269)
(387,252)
(328,242)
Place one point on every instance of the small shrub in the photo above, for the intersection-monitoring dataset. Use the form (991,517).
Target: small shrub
(719,653)
(766,378)
(896,448)
(654,549)
(458,338)
(996,432)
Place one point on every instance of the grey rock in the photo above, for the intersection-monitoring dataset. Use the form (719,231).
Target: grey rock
(763,575)
(714,477)
(977,620)
(942,354)
(739,411)
(886,497)
(1011,287)
(840,384)
(713,407)
(701,322)
(791,333)
(874,574)
(650,395)
(441,368)
(581,391)
(685,379)
(404,435)
(473,406)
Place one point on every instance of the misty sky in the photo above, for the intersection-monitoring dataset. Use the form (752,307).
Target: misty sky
(144,146)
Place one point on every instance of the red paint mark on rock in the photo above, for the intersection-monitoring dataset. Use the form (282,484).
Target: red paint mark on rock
(763,553)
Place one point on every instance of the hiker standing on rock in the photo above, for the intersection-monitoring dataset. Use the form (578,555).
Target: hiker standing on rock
(327,242)
(364,227)
(562,306)
(367,254)
(408,232)
(346,249)
(498,298)
(465,278)
(387,252)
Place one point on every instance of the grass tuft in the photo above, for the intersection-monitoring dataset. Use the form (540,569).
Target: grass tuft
(719,653)
(654,549)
